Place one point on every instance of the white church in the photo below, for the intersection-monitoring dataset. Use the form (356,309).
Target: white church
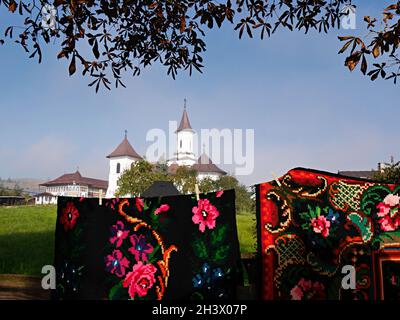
(125,155)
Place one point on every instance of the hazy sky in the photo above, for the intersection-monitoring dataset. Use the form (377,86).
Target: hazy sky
(292,89)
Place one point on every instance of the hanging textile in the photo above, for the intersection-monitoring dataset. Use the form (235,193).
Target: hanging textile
(172,247)
(315,228)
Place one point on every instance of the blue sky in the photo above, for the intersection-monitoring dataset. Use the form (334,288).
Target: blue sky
(292,89)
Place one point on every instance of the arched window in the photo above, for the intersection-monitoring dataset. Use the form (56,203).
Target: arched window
(118,167)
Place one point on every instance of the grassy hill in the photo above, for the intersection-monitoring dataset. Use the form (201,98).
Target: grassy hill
(24,184)
(27,237)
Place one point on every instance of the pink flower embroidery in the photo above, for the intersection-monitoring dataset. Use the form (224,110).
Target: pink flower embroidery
(308,290)
(321,225)
(139,204)
(219,193)
(118,234)
(116,263)
(69,216)
(140,279)
(162,208)
(140,248)
(389,212)
(204,214)
(112,203)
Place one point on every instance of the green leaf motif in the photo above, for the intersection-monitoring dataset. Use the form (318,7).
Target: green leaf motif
(200,249)
(305,226)
(154,221)
(363,224)
(392,236)
(116,291)
(313,213)
(317,211)
(221,253)
(153,255)
(219,234)
(371,197)
(305,216)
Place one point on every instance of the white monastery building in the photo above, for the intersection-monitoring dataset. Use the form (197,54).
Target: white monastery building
(125,155)
(71,185)
(121,159)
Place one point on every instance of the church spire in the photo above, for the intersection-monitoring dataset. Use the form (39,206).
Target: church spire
(185,123)
(124,149)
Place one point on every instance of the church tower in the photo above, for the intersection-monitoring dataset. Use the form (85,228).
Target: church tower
(185,136)
(121,159)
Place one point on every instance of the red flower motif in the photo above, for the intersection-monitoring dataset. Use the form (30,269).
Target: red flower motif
(139,204)
(118,233)
(204,214)
(308,290)
(219,193)
(321,225)
(69,215)
(112,203)
(389,211)
(140,279)
(116,263)
(140,248)
(162,208)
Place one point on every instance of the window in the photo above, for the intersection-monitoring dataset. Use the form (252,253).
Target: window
(180,143)
(118,167)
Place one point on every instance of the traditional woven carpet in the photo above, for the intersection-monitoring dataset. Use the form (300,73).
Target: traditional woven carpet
(156,248)
(316,228)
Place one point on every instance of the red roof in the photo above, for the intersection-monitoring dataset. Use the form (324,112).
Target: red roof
(204,164)
(76,177)
(185,123)
(172,168)
(124,149)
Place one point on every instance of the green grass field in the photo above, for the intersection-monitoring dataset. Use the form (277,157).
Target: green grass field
(246,225)
(27,237)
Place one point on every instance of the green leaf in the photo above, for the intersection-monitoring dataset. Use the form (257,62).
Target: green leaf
(115,291)
(305,226)
(221,253)
(317,211)
(219,234)
(305,215)
(391,235)
(372,197)
(152,256)
(312,212)
(200,249)
(363,225)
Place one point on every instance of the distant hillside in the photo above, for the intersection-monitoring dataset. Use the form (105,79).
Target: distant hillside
(30,185)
